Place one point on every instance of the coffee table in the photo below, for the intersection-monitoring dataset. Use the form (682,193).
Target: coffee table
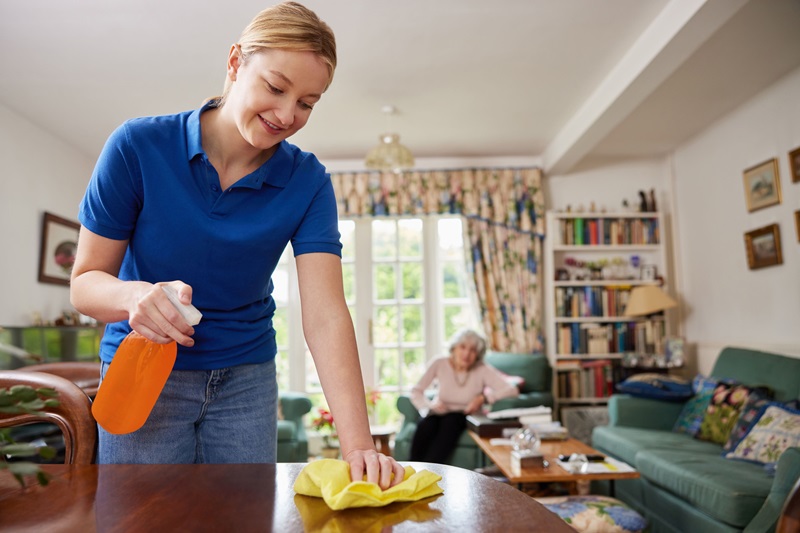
(501,456)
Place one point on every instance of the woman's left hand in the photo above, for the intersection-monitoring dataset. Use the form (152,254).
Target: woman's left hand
(476,403)
(377,467)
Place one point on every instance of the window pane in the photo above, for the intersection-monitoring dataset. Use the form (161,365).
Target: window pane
(455,276)
(385,282)
(413,366)
(451,240)
(457,317)
(412,281)
(282,370)
(386,411)
(412,323)
(347,230)
(385,325)
(348,279)
(280,280)
(384,239)
(386,367)
(410,238)
(281,325)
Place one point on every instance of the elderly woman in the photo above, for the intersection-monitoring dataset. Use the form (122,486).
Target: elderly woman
(462,378)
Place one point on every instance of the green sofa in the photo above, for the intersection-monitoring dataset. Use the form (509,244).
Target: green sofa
(686,485)
(535,391)
(292,437)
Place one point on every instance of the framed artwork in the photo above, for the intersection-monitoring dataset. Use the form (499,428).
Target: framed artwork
(59,244)
(797,223)
(762,185)
(763,247)
(648,272)
(794,164)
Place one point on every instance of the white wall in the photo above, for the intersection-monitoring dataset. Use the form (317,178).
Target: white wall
(40,173)
(725,302)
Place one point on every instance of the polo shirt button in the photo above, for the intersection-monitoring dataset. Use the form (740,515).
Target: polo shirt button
(214,188)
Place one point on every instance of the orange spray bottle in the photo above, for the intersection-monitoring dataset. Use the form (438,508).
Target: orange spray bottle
(137,375)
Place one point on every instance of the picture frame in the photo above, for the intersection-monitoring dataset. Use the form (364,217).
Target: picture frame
(648,273)
(763,247)
(762,185)
(58,247)
(794,164)
(797,223)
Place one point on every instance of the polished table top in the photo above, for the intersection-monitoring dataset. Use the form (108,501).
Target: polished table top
(151,498)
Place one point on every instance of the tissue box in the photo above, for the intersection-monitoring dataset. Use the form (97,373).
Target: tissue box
(525,460)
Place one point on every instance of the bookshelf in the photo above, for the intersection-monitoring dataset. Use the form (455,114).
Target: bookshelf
(592,262)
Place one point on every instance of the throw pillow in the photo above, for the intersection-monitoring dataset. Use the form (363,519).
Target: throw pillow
(692,414)
(747,417)
(598,514)
(777,428)
(723,412)
(657,387)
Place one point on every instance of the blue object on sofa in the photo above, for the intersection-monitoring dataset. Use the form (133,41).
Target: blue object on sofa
(536,390)
(292,437)
(686,484)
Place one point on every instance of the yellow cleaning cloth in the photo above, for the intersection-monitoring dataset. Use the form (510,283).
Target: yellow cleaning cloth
(330,480)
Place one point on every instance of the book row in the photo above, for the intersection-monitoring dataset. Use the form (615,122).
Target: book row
(587,301)
(587,379)
(597,339)
(609,231)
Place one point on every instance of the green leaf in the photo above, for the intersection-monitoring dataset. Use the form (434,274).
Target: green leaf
(19,450)
(47,452)
(43,477)
(23,469)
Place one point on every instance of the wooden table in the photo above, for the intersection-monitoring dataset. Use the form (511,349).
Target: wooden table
(501,456)
(244,498)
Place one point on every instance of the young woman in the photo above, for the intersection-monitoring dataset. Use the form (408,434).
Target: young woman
(462,378)
(205,201)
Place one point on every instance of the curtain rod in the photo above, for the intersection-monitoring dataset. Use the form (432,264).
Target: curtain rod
(380,172)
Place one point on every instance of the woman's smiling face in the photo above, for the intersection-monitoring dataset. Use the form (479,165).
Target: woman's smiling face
(464,355)
(273,93)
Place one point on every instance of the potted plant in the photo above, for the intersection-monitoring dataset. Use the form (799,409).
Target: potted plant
(324,425)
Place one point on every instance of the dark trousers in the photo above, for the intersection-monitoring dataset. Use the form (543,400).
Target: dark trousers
(437,436)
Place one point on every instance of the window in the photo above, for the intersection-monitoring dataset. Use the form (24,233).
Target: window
(407,289)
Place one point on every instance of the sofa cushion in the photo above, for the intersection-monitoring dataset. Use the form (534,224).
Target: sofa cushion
(286,430)
(657,387)
(747,417)
(692,414)
(730,491)
(626,442)
(776,428)
(595,514)
(723,411)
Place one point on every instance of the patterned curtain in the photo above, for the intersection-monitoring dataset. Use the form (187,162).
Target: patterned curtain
(504,212)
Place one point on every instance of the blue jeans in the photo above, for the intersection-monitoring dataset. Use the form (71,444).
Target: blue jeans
(204,416)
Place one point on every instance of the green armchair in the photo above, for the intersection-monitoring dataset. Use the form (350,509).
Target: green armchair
(535,391)
(292,437)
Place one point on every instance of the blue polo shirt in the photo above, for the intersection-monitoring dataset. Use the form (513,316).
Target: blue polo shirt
(154,186)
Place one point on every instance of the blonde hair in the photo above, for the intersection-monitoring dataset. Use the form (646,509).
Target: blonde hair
(288,26)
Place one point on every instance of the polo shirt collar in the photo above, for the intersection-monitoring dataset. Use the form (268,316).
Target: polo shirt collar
(277,171)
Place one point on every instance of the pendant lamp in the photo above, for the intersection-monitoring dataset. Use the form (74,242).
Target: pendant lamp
(389,154)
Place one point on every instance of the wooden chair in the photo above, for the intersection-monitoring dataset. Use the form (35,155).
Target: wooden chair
(789,521)
(73,416)
(84,374)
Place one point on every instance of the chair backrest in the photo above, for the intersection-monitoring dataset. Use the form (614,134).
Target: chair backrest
(84,374)
(789,521)
(73,415)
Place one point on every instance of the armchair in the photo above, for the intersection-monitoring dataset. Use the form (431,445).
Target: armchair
(536,390)
(292,437)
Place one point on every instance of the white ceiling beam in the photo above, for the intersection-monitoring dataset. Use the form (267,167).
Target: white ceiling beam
(678,31)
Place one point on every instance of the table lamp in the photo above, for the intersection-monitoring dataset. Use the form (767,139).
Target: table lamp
(648,299)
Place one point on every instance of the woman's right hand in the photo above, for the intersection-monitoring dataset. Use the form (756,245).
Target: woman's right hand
(154,317)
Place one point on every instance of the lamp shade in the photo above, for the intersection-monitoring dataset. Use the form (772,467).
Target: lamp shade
(648,299)
(389,154)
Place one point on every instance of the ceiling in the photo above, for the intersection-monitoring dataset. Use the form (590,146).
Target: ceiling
(565,81)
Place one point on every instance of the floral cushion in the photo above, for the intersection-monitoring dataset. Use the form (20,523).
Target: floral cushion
(657,386)
(694,410)
(777,427)
(723,412)
(747,416)
(595,514)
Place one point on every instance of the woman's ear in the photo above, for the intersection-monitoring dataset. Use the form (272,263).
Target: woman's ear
(234,60)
